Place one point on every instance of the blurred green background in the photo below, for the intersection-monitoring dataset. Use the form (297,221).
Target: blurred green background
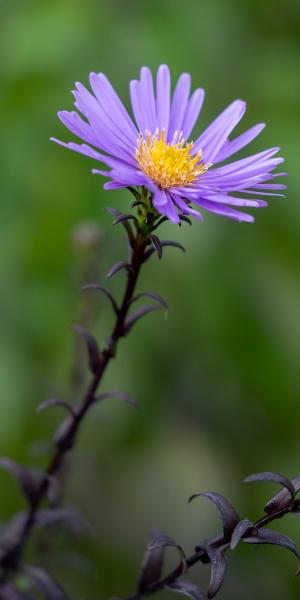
(218,380)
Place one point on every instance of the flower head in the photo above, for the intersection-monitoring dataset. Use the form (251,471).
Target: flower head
(153,151)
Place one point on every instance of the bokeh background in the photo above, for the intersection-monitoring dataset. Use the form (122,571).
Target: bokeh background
(218,380)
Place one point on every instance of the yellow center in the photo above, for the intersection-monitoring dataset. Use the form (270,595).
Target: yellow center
(169,165)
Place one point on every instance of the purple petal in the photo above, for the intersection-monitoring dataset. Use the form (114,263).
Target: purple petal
(123,174)
(179,105)
(88,151)
(185,208)
(215,135)
(108,134)
(136,106)
(192,112)
(78,126)
(163,91)
(233,146)
(164,205)
(111,104)
(231,200)
(147,99)
(225,211)
(239,165)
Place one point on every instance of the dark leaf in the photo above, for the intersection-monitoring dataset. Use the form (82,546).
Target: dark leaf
(27,482)
(275,478)
(151,295)
(163,541)
(122,264)
(137,315)
(94,353)
(218,561)
(54,402)
(103,290)
(164,243)
(152,564)
(282,500)
(156,244)
(160,222)
(119,395)
(186,219)
(228,515)
(71,518)
(187,589)
(135,192)
(138,203)
(51,589)
(239,531)
(121,218)
(10,592)
(268,536)
(12,534)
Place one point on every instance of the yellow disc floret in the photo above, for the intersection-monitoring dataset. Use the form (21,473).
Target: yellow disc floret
(169,165)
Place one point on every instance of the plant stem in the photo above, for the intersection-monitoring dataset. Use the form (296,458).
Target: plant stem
(201,556)
(12,558)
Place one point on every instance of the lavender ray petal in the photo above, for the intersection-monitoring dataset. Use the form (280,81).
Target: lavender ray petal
(185,208)
(147,98)
(111,104)
(192,112)
(214,136)
(232,201)
(164,205)
(224,210)
(179,105)
(78,126)
(232,146)
(163,91)
(110,136)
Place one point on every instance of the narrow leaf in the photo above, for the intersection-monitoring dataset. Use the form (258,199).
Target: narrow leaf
(151,295)
(118,214)
(94,353)
(164,243)
(50,587)
(122,264)
(187,589)
(123,217)
(119,395)
(282,500)
(103,290)
(138,203)
(71,518)
(11,535)
(137,315)
(268,536)
(27,482)
(152,564)
(10,592)
(156,244)
(218,561)
(54,402)
(275,478)
(186,219)
(164,541)
(229,516)
(240,531)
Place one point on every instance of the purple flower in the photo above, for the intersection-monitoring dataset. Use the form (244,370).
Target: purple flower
(152,152)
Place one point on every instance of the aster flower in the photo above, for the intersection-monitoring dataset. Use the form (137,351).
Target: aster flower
(152,152)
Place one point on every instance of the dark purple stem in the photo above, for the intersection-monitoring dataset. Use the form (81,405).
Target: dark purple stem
(12,558)
(201,556)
